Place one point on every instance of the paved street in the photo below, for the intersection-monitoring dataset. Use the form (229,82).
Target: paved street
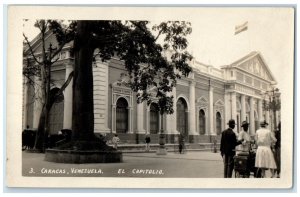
(188,165)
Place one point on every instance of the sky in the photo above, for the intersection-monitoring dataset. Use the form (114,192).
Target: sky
(270,31)
(213,42)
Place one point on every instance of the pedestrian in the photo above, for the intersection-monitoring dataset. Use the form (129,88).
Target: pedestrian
(26,138)
(181,143)
(115,140)
(264,159)
(244,137)
(276,151)
(228,143)
(147,140)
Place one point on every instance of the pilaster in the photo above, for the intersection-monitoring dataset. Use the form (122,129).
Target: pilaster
(252,120)
(233,108)
(192,121)
(243,108)
(68,100)
(260,113)
(211,111)
(140,118)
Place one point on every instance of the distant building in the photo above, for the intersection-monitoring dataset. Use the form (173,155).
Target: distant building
(204,102)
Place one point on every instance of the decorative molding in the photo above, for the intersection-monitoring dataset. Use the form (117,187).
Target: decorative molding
(186,100)
(183,83)
(202,100)
(219,103)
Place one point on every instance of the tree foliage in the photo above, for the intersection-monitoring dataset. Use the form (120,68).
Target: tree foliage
(155,57)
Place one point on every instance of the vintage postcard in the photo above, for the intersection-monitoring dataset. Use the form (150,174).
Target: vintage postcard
(150,97)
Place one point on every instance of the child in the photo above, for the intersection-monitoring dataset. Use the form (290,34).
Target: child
(115,141)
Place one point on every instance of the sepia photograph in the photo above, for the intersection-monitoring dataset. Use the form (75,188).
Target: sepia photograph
(150,97)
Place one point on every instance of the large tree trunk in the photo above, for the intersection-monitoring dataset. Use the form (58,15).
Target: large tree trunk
(41,138)
(83,101)
(40,135)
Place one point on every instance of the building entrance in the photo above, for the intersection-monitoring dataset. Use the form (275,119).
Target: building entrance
(122,116)
(182,117)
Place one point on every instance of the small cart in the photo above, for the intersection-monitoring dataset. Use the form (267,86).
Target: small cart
(244,164)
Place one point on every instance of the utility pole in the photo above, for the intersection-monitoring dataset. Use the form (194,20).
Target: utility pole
(274,103)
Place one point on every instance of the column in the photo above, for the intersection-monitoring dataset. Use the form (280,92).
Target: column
(227,106)
(260,112)
(252,121)
(211,111)
(243,110)
(140,118)
(130,119)
(160,126)
(197,121)
(37,107)
(113,119)
(101,97)
(174,115)
(171,118)
(68,100)
(25,99)
(192,117)
(148,120)
(233,107)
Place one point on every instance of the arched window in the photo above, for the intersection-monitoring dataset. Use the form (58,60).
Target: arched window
(202,122)
(182,117)
(218,123)
(56,114)
(154,118)
(122,116)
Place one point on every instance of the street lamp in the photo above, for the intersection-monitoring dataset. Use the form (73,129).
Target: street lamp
(273,104)
(162,138)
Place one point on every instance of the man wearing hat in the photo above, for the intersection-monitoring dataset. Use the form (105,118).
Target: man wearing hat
(228,144)
(264,159)
(244,137)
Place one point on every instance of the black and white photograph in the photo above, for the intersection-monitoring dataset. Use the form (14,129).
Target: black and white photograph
(150,97)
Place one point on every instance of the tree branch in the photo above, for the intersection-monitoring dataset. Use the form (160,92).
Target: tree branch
(62,45)
(63,87)
(31,50)
(54,61)
(38,25)
(159,33)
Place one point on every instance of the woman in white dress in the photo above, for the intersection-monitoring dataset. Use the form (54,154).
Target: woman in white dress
(264,157)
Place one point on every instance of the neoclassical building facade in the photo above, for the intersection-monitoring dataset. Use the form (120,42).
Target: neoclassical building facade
(203,102)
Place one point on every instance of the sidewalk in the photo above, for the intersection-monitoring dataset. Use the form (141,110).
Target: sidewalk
(140,148)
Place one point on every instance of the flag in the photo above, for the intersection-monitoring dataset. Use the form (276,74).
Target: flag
(240,28)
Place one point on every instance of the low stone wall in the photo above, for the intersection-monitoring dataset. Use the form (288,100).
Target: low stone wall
(73,156)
